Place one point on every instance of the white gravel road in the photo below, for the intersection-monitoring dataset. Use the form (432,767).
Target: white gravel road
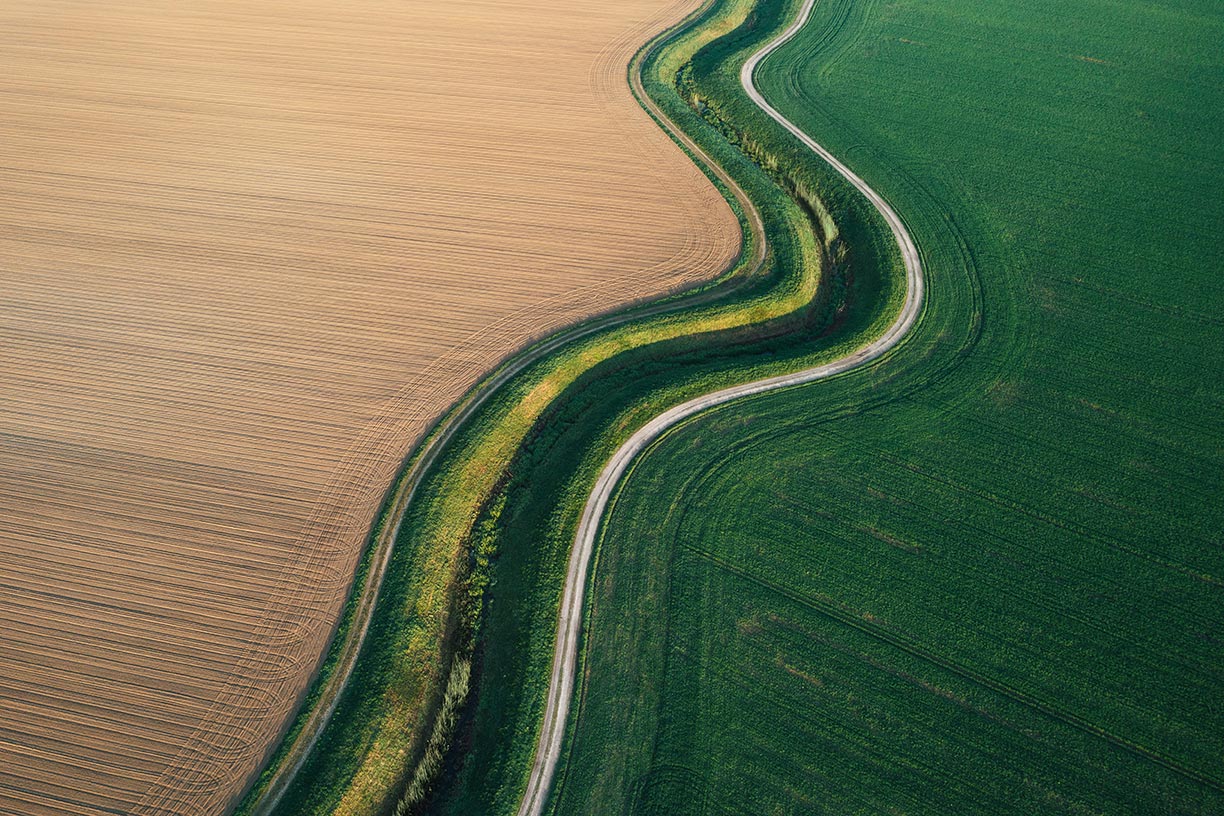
(565,657)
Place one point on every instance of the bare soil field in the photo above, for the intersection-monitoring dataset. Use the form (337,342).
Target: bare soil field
(248,251)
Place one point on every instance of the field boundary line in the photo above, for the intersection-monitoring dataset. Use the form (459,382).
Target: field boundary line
(569,626)
(436,439)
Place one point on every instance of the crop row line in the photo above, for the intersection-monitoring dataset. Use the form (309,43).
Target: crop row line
(880,633)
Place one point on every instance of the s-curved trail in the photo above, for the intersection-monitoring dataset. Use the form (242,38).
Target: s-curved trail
(565,655)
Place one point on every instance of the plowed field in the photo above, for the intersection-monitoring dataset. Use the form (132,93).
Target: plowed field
(248,251)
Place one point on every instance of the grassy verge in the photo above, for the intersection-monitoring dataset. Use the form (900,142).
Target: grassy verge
(476,567)
(551,476)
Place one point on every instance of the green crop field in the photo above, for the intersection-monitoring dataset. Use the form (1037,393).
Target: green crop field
(987,575)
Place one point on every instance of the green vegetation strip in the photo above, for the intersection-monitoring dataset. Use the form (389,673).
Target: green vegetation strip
(561,683)
(434,589)
(553,476)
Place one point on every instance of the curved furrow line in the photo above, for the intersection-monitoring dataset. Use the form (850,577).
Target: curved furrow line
(565,655)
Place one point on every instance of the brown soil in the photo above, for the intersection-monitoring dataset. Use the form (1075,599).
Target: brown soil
(248,250)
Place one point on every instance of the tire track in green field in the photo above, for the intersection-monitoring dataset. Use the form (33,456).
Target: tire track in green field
(847,617)
(840,29)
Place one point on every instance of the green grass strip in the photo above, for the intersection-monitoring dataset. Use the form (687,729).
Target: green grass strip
(438,592)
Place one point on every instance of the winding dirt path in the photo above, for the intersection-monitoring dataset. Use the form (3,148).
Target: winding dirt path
(320,715)
(565,656)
